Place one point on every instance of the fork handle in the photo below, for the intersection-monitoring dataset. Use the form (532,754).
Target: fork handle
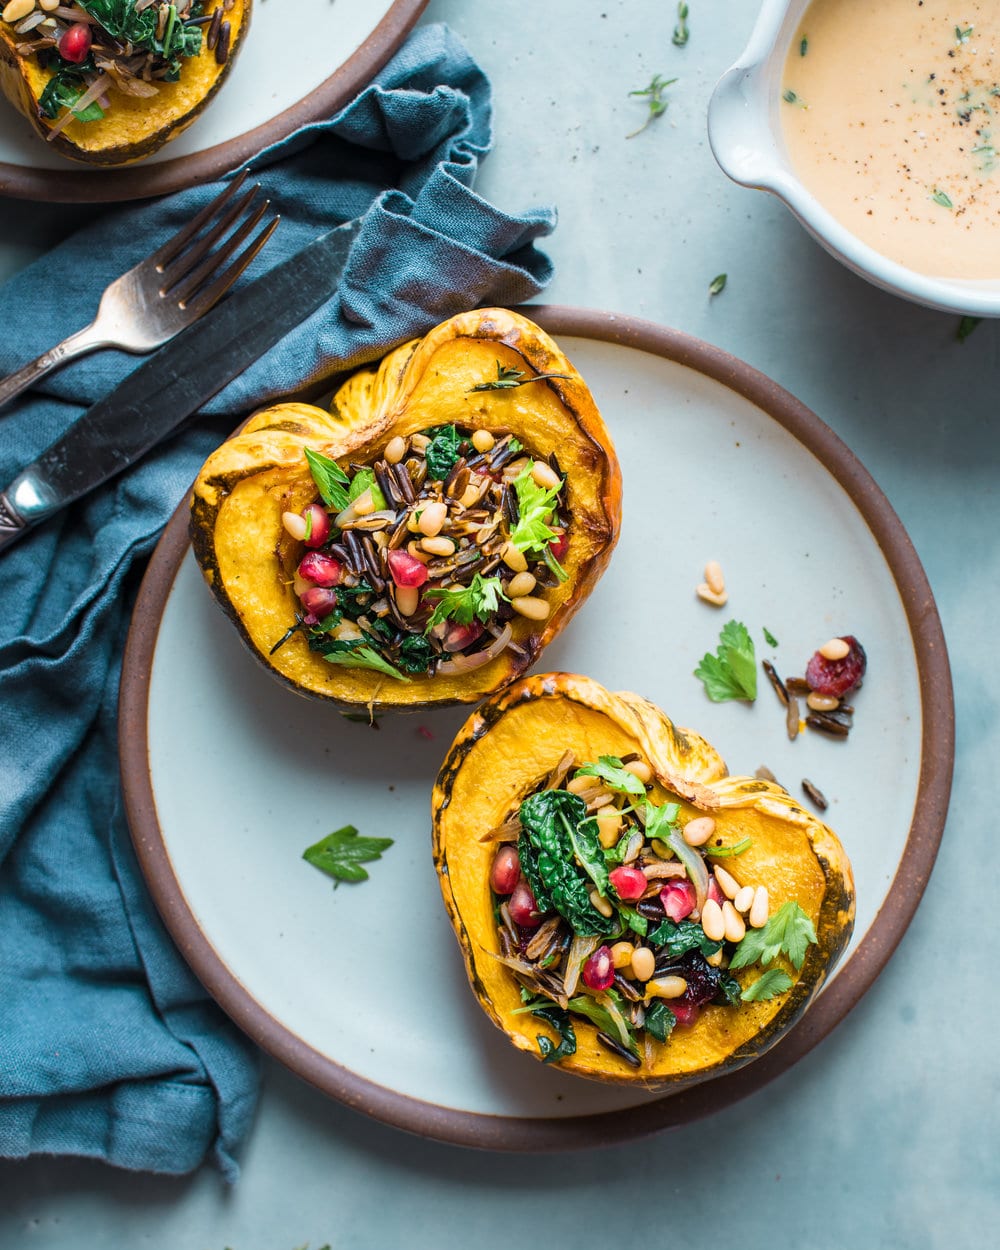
(85,340)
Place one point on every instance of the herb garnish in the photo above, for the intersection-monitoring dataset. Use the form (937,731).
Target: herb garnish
(963,35)
(341,853)
(614,774)
(331,480)
(681,33)
(723,852)
(357,653)
(442,452)
(479,599)
(718,284)
(803,46)
(769,638)
(788,932)
(965,327)
(535,507)
(732,672)
(942,198)
(771,983)
(657,104)
(508,377)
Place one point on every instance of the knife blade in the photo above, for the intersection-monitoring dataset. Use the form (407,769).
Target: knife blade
(155,399)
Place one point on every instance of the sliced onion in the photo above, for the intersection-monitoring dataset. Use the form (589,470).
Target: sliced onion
(580,950)
(465,663)
(693,862)
(92,93)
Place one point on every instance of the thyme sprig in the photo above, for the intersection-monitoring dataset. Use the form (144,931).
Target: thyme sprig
(654,95)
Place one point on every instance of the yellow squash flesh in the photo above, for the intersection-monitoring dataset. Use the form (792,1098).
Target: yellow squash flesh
(133,127)
(505,751)
(245,486)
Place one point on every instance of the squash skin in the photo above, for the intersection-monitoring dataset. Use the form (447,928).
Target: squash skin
(502,753)
(134,127)
(243,488)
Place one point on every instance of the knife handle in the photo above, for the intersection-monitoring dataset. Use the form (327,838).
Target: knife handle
(22,505)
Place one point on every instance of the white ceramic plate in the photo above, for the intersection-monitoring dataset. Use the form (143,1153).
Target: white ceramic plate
(228,776)
(276,85)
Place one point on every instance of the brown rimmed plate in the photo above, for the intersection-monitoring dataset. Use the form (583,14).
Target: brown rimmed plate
(276,86)
(360,990)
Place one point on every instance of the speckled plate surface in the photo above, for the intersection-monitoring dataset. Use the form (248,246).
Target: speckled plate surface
(361,990)
(276,85)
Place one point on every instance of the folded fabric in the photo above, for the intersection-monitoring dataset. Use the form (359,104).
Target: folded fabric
(108,1045)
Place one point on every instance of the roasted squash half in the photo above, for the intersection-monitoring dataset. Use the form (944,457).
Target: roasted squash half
(509,414)
(133,125)
(691,1006)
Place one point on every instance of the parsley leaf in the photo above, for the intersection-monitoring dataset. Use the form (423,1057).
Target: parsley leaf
(788,932)
(331,480)
(563,1025)
(769,638)
(535,506)
(341,853)
(613,773)
(770,984)
(732,672)
(353,653)
(364,480)
(480,598)
(660,1020)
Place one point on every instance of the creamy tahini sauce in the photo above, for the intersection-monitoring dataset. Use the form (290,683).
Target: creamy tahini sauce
(891,118)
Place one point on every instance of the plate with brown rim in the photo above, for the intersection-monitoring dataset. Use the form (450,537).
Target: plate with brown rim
(278,84)
(361,990)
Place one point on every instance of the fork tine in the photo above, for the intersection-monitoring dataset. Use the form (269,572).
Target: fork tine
(175,245)
(176,272)
(207,296)
(186,286)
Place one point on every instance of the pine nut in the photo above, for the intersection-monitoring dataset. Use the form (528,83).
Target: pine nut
(300,585)
(643,963)
(697,832)
(602,799)
(295,525)
(601,904)
(577,785)
(418,553)
(521,584)
(822,702)
(514,469)
(483,440)
(712,920)
(439,546)
(760,908)
(407,599)
(744,899)
(621,954)
(666,987)
(713,577)
(530,607)
(641,770)
(609,827)
(835,649)
(347,631)
(48,5)
(514,559)
(735,930)
(395,450)
(364,504)
(727,883)
(715,959)
(420,441)
(545,476)
(706,593)
(380,538)
(17,9)
(432,517)
(470,496)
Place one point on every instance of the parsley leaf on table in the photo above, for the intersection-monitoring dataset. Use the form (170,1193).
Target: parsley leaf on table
(341,853)
(732,672)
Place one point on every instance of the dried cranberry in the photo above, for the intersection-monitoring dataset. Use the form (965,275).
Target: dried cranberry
(837,677)
(599,970)
(702,979)
(685,1013)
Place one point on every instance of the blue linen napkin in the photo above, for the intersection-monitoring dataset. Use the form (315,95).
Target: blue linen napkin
(109,1047)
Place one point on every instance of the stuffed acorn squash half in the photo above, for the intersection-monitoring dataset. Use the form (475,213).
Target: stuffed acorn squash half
(421,542)
(111,81)
(626,910)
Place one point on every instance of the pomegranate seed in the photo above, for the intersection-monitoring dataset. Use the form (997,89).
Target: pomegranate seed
(630,883)
(599,970)
(523,908)
(679,899)
(686,1013)
(559,545)
(714,893)
(837,677)
(506,872)
(318,601)
(459,636)
(319,532)
(319,569)
(405,569)
(74,46)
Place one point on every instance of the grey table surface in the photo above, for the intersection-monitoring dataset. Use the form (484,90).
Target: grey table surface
(884,1136)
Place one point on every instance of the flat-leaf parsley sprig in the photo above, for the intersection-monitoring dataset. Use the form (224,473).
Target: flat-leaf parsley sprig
(341,853)
(732,672)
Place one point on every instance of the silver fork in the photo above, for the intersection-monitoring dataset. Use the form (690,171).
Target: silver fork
(167,291)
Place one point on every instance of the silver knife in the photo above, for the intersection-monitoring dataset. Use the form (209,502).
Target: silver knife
(163,392)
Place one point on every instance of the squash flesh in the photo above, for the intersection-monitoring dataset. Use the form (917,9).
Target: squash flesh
(503,753)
